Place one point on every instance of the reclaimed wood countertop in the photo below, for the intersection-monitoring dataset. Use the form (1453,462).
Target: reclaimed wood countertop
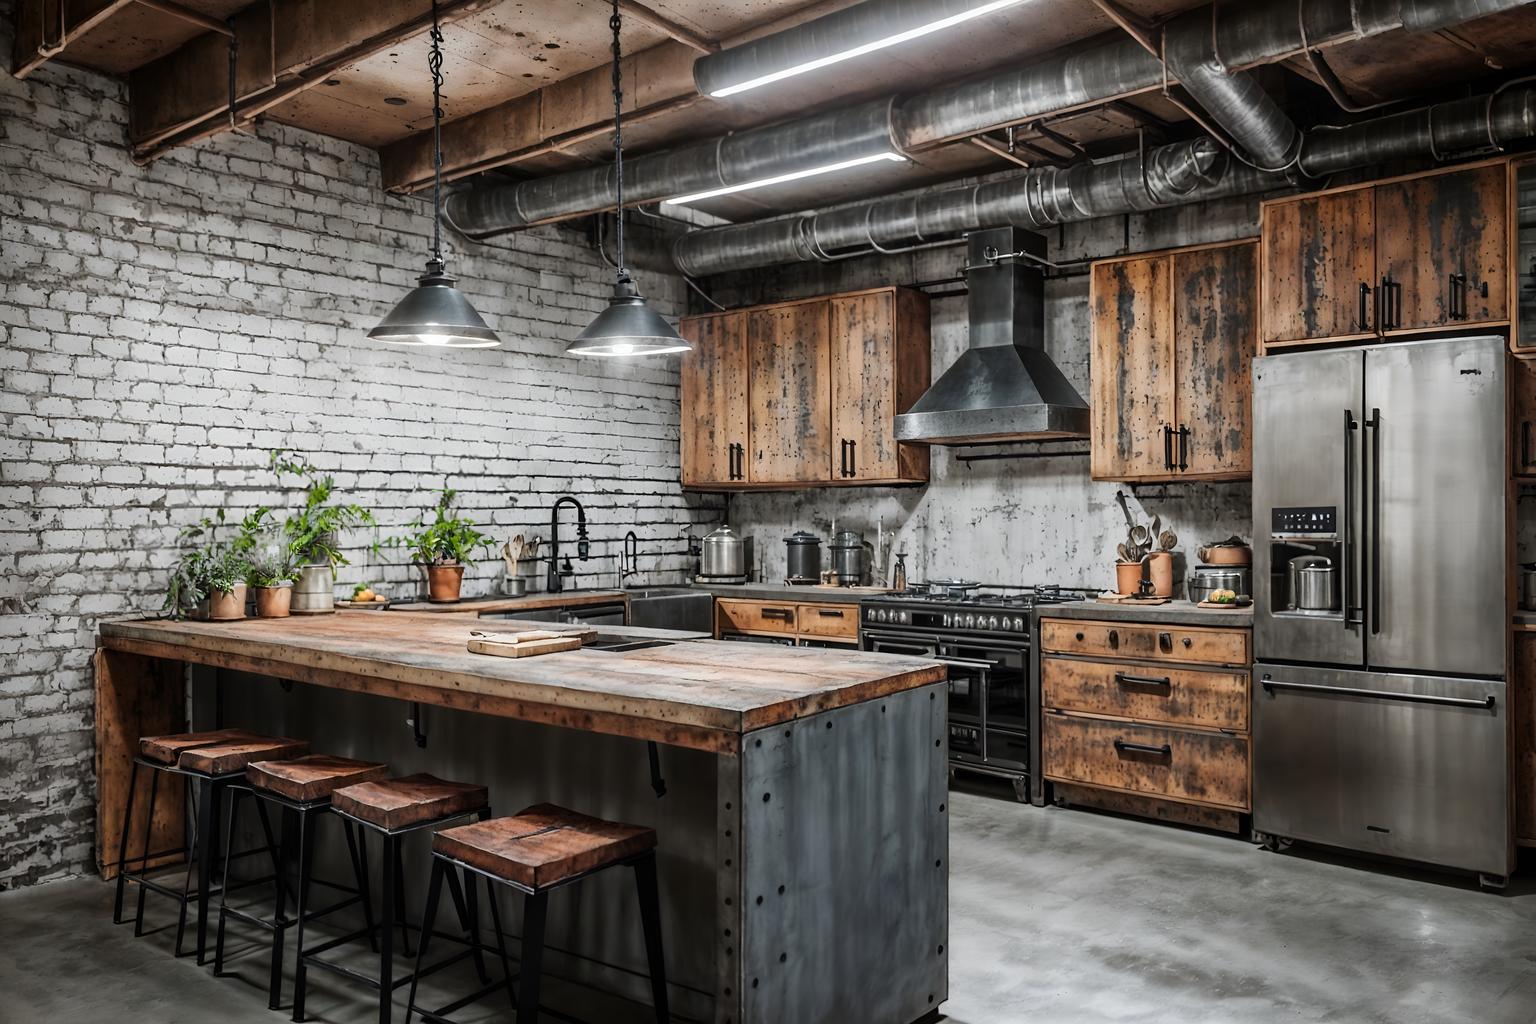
(531,602)
(703,694)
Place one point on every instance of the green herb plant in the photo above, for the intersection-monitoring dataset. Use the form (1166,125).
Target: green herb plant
(446,540)
(311,532)
(211,565)
(272,567)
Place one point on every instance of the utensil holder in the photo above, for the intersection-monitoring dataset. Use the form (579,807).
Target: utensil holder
(1128,576)
(1160,572)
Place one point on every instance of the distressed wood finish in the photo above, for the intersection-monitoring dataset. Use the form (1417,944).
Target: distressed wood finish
(312,777)
(1142,693)
(789,382)
(544,845)
(1206,768)
(168,749)
(755,616)
(237,755)
(829,620)
(1170,644)
(409,800)
(1069,794)
(1215,336)
(1432,227)
(1317,252)
(493,605)
(880,366)
(1522,417)
(1522,759)
(136,696)
(714,398)
(698,694)
(1132,367)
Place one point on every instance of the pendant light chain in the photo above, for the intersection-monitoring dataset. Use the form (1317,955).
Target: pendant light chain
(435,64)
(615,23)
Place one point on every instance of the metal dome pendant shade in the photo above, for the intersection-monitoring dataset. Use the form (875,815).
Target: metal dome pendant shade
(628,327)
(435,313)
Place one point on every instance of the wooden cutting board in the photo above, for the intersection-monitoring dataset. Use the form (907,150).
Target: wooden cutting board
(530,643)
(1131,599)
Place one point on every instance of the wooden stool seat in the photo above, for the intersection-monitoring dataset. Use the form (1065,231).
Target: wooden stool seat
(166,749)
(312,777)
(392,804)
(544,845)
(235,755)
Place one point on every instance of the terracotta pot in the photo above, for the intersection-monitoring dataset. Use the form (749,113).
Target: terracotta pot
(1160,572)
(444,582)
(274,602)
(1127,577)
(224,605)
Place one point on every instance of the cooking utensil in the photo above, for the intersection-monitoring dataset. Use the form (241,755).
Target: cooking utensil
(1125,553)
(849,558)
(1141,537)
(1130,520)
(1156,529)
(1168,540)
(804,557)
(726,556)
(1232,551)
(1207,579)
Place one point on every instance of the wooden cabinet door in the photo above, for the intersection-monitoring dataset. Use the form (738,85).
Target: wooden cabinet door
(1318,251)
(1215,335)
(1132,368)
(1522,417)
(863,329)
(714,400)
(1522,754)
(1442,240)
(789,367)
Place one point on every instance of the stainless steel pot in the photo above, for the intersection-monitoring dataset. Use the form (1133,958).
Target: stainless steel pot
(849,558)
(1207,579)
(726,555)
(1316,592)
(804,557)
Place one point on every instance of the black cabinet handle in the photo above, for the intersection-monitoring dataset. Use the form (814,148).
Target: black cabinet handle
(1374,426)
(1125,746)
(843,450)
(1452,291)
(853,458)
(829,613)
(1165,642)
(778,613)
(1167,446)
(1365,297)
(1126,679)
(1184,433)
(730,462)
(1384,300)
(1114,639)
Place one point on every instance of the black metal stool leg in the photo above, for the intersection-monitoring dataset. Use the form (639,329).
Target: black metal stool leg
(355,841)
(149,821)
(206,831)
(218,932)
(405,935)
(650,916)
(292,827)
(122,844)
(266,831)
(433,889)
(501,942)
(530,966)
(306,867)
(468,912)
(387,894)
(362,860)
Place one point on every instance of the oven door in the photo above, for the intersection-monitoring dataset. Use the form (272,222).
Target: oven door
(967,682)
(1001,674)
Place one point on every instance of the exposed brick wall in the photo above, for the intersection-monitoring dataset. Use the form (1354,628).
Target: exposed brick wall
(161,328)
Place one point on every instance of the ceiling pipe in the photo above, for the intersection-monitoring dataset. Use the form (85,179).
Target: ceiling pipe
(1173,175)
(1203,48)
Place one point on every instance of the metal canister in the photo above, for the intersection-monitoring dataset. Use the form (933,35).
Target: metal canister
(804,557)
(315,591)
(849,558)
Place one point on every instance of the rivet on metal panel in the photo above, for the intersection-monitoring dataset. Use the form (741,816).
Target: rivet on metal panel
(754,983)
(759,900)
(767,797)
(941,949)
(941,808)
(829,723)
(937,864)
(727,806)
(728,901)
(759,743)
(781,890)
(783,957)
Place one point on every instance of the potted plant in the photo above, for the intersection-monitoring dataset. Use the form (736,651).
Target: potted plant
(272,575)
(311,535)
(441,547)
(208,581)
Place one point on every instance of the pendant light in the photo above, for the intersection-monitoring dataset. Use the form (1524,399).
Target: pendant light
(435,313)
(628,327)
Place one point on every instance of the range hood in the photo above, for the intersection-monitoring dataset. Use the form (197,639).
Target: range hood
(1004,387)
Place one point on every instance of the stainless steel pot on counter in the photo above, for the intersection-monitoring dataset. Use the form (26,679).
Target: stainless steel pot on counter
(726,557)
(850,559)
(1207,579)
(804,558)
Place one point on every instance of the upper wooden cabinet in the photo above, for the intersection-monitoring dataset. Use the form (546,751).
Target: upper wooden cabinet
(1421,253)
(1174,334)
(804,394)
(1523,279)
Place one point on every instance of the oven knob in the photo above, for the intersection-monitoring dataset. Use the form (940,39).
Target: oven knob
(946,620)
(970,622)
(905,617)
(1018,624)
(880,615)
(869,613)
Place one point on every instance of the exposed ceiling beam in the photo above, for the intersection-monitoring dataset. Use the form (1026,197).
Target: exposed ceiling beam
(187,14)
(284,47)
(661,23)
(998,149)
(45,28)
(1133,25)
(656,81)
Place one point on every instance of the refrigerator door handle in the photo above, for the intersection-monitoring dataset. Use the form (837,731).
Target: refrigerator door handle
(1374,426)
(1353,613)
(1486,703)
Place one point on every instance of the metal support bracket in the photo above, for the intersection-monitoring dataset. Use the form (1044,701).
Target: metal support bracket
(418,724)
(658,783)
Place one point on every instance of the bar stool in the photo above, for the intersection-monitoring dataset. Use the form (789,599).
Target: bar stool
(536,852)
(394,809)
(216,760)
(301,788)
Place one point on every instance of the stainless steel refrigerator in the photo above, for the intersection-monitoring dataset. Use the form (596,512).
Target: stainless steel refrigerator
(1380,704)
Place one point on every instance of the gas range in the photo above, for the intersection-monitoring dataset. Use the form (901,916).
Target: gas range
(958,607)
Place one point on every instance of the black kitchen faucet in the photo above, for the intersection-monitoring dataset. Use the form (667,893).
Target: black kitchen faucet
(555,583)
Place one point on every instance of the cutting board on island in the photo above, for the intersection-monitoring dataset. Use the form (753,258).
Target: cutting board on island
(529,643)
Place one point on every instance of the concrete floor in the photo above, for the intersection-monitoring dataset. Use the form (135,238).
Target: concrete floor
(1056,916)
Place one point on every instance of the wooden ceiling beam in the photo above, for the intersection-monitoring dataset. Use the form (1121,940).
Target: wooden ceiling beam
(45,28)
(657,81)
(283,47)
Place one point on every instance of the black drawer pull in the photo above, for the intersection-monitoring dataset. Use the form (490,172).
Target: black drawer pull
(778,613)
(1126,747)
(1125,679)
(829,613)
(1114,639)
(1165,642)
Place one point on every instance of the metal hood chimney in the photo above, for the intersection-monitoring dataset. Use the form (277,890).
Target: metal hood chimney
(1003,387)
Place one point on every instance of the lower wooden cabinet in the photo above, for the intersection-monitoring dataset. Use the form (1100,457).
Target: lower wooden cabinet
(1148,718)
(807,624)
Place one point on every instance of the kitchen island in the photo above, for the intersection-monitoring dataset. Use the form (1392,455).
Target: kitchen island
(803,835)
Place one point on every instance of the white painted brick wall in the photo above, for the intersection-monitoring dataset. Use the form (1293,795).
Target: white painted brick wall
(161,328)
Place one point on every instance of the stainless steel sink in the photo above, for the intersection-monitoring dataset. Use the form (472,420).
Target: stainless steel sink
(672,608)
(619,644)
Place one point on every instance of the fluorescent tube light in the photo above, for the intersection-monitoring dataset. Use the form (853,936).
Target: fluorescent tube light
(871,47)
(779,179)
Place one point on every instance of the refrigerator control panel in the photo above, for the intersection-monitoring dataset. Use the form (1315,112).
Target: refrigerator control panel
(1309,520)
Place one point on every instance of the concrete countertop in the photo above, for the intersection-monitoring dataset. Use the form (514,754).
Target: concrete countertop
(785,592)
(1174,613)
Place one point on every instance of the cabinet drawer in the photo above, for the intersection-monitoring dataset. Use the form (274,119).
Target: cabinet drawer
(835,620)
(1215,700)
(1138,640)
(1203,767)
(755,616)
